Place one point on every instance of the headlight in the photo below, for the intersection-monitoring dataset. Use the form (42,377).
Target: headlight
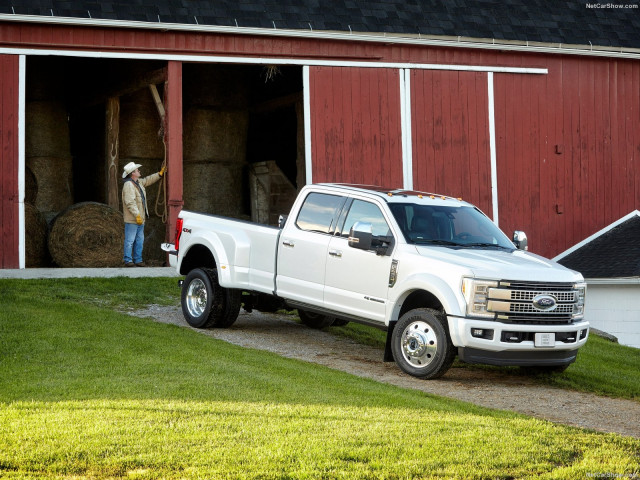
(476,294)
(581,292)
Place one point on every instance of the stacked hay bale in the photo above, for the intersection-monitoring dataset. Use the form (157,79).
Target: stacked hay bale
(215,138)
(140,142)
(48,169)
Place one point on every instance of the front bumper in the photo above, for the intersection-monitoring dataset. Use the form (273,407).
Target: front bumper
(508,337)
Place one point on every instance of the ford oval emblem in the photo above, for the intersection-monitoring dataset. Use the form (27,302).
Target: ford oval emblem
(545,302)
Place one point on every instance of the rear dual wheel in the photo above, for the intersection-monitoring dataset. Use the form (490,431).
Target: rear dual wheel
(205,303)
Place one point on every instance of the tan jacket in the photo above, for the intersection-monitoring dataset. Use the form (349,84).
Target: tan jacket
(132,204)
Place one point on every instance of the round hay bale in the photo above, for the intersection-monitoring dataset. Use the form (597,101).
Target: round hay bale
(53,182)
(36,230)
(139,126)
(87,234)
(214,188)
(215,135)
(47,129)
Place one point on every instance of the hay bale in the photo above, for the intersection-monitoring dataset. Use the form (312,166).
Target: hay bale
(47,129)
(30,186)
(215,135)
(53,182)
(139,126)
(36,231)
(87,234)
(214,188)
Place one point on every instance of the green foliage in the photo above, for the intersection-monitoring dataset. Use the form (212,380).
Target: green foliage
(89,392)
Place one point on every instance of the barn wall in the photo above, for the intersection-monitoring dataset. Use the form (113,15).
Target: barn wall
(9,197)
(355,121)
(450,133)
(568,149)
(567,145)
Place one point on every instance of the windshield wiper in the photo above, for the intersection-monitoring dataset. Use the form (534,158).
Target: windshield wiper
(483,244)
(439,242)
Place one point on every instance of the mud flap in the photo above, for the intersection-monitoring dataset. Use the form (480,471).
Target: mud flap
(388,354)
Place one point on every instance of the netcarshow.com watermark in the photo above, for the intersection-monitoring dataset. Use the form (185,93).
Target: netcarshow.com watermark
(621,6)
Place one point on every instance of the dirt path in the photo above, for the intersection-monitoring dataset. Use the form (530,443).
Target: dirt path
(281,335)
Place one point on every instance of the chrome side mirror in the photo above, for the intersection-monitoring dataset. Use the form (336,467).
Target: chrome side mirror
(361,235)
(520,240)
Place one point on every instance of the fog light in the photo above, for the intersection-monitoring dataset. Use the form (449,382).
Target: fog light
(487,334)
(583,333)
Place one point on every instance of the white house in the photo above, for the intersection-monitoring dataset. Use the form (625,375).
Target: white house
(610,262)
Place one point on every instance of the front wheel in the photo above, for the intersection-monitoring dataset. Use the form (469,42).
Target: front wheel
(421,344)
(205,303)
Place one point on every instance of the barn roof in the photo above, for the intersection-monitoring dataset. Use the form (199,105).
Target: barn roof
(549,21)
(614,252)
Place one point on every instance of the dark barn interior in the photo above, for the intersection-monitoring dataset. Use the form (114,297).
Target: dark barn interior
(243,148)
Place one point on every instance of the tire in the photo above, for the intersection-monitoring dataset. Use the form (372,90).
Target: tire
(315,320)
(205,303)
(421,344)
(339,323)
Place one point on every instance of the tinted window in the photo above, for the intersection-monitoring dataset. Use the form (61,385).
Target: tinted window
(425,224)
(366,212)
(318,212)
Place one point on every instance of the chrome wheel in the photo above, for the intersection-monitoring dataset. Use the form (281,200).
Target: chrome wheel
(419,344)
(196,298)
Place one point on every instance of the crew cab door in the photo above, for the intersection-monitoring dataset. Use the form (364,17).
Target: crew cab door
(357,280)
(303,246)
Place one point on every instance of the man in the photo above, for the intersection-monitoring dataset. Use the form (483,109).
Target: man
(134,207)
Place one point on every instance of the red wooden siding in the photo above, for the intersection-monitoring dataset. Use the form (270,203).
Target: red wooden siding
(9,200)
(450,133)
(355,125)
(567,143)
(568,149)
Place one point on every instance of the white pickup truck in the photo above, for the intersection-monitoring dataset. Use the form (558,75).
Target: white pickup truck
(433,271)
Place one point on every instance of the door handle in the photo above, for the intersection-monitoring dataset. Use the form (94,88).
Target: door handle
(288,243)
(335,253)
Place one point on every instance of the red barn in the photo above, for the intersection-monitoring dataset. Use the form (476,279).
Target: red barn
(531,112)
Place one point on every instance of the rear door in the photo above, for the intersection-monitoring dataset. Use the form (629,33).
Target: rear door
(303,247)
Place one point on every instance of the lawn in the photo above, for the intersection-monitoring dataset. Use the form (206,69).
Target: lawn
(89,392)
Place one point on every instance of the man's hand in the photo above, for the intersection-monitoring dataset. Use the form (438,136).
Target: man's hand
(162,170)
(139,220)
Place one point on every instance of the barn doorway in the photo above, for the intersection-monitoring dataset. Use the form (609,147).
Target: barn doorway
(242,141)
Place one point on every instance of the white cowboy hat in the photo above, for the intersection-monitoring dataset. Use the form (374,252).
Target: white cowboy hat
(130,167)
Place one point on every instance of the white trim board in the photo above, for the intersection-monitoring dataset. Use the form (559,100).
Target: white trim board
(596,235)
(22,82)
(269,60)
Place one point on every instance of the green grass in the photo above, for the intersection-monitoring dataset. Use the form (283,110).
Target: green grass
(603,367)
(87,392)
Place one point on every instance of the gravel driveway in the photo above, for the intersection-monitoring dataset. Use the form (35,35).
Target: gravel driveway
(279,334)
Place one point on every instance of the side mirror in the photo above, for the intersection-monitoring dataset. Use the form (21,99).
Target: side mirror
(361,236)
(520,240)
(282,219)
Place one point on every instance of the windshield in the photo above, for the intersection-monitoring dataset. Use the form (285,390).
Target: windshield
(463,226)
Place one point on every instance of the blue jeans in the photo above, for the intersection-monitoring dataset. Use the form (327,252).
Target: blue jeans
(133,242)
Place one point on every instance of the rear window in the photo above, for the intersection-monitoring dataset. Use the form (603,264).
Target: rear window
(319,212)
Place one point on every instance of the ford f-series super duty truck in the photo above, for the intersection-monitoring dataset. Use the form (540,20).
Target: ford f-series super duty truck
(434,271)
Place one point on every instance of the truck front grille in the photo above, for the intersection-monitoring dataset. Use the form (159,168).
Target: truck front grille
(520,302)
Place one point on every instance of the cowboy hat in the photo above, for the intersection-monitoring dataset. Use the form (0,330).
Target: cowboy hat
(130,167)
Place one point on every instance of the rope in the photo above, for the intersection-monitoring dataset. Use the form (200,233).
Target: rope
(162,189)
